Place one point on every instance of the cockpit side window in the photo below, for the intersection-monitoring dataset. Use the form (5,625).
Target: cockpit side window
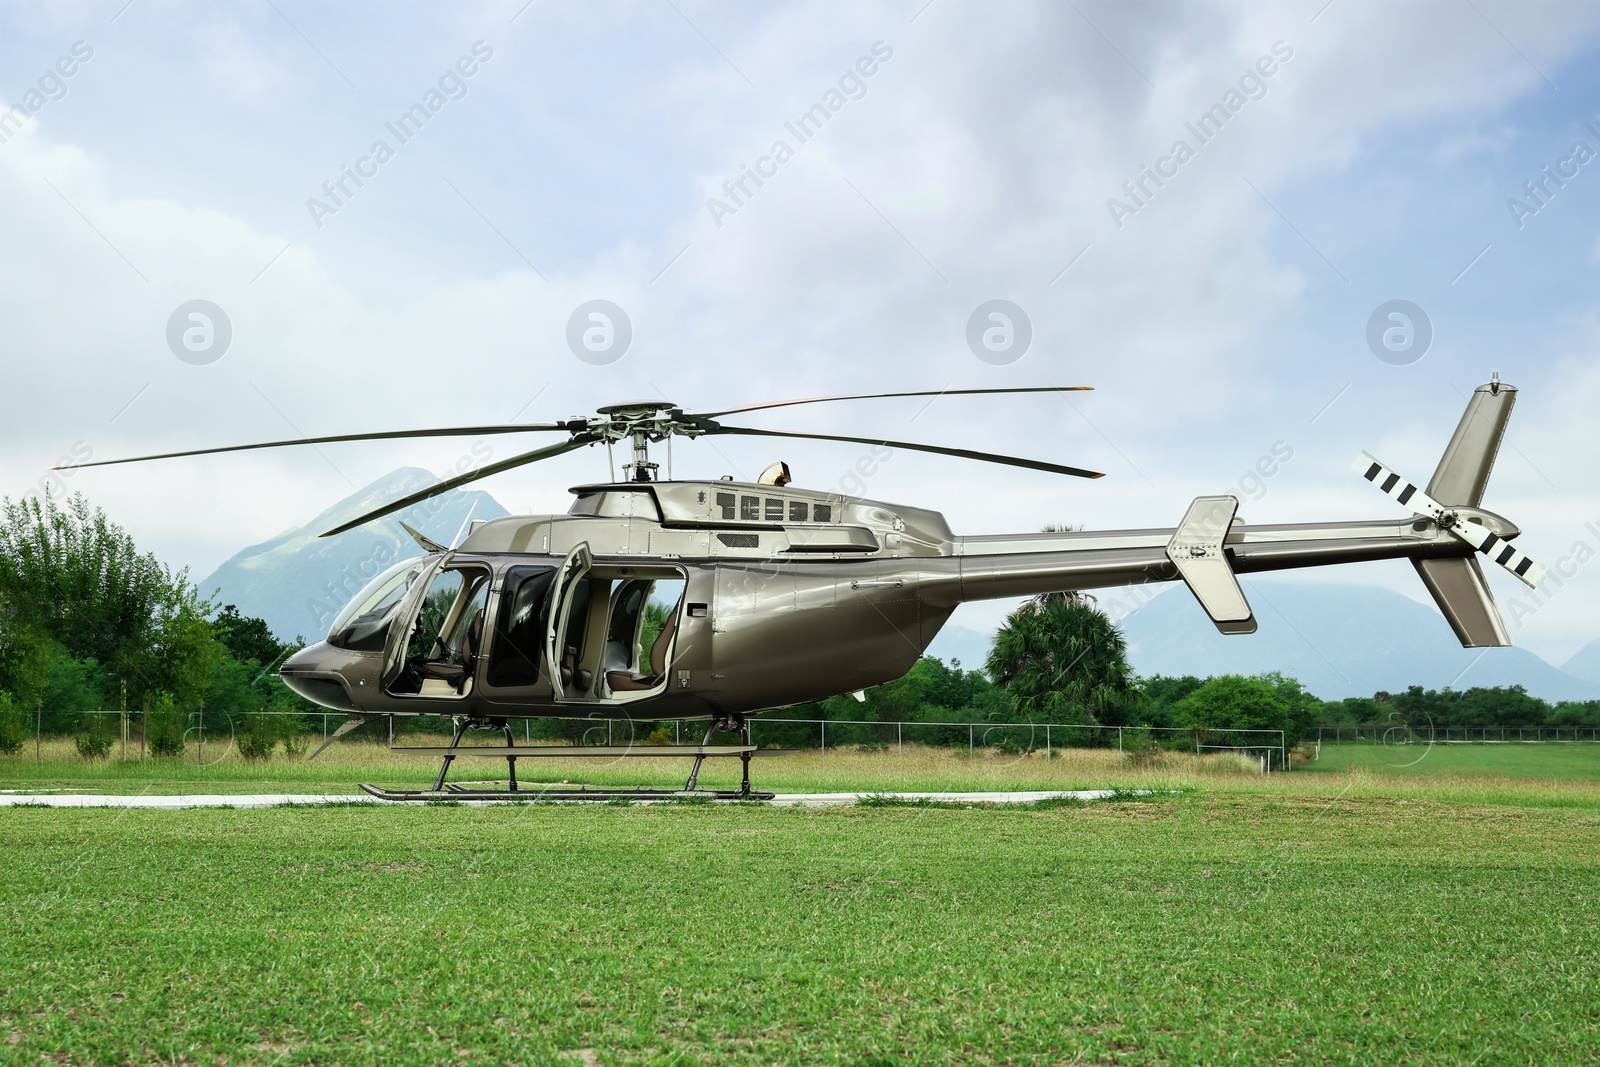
(520,629)
(364,623)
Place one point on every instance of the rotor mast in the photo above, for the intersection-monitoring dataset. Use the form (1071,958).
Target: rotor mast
(643,469)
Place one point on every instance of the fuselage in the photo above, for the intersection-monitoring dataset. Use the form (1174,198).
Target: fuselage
(778,596)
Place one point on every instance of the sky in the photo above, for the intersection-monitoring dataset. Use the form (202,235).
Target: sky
(162,152)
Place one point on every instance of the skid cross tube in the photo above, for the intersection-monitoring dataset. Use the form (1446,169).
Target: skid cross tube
(694,772)
(450,755)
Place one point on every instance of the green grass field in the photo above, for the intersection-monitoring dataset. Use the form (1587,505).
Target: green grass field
(1565,761)
(1342,915)
(1198,929)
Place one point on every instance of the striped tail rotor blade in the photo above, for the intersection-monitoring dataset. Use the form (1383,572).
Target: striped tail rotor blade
(1393,484)
(1498,549)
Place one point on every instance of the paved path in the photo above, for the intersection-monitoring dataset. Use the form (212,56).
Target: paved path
(269,800)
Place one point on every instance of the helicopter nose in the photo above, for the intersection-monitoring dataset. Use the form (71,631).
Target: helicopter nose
(314,673)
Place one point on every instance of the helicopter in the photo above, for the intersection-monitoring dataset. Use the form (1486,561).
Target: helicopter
(774,595)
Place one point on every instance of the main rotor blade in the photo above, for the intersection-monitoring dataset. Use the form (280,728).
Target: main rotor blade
(1478,536)
(389,435)
(961,453)
(882,396)
(462,479)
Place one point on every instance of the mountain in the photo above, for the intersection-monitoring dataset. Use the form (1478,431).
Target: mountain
(1340,640)
(1585,663)
(960,643)
(298,581)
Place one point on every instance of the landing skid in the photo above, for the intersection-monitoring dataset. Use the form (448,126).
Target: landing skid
(512,752)
(456,792)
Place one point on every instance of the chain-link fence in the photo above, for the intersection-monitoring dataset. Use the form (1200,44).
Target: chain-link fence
(1389,733)
(205,739)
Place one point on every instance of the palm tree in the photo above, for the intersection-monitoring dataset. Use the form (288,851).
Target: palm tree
(1060,659)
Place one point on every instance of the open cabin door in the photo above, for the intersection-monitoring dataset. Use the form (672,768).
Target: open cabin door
(573,571)
(394,646)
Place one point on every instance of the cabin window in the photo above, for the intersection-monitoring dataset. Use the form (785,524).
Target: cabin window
(774,509)
(822,513)
(750,508)
(797,511)
(519,629)
(726,501)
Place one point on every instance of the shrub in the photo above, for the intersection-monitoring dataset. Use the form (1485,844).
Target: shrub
(257,738)
(295,739)
(95,739)
(1140,748)
(659,736)
(13,726)
(164,726)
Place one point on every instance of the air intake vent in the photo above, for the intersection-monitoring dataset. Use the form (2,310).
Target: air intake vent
(740,540)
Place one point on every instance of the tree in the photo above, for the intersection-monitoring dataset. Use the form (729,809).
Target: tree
(247,638)
(1063,660)
(70,576)
(77,576)
(1232,702)
(1161,693)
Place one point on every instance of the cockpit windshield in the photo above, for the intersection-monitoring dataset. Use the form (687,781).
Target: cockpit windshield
(363,624)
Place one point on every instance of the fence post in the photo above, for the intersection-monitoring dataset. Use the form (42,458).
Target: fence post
(1047,753)
(899,740)
(1120,758)
(969,740)
(824,725)
(38,728)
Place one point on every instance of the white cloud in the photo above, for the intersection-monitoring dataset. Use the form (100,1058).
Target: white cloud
(988,143)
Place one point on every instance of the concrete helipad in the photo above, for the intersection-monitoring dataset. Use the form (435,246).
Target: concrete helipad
(271,800)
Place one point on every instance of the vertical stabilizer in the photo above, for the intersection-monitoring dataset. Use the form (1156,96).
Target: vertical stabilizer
(1458,587)
(1463,473)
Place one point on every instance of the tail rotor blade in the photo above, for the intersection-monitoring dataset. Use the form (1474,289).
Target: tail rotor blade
(1394,485)
(1498,549)
(1478,536)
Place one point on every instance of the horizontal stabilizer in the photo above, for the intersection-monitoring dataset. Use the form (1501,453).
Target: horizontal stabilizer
(1196,550)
